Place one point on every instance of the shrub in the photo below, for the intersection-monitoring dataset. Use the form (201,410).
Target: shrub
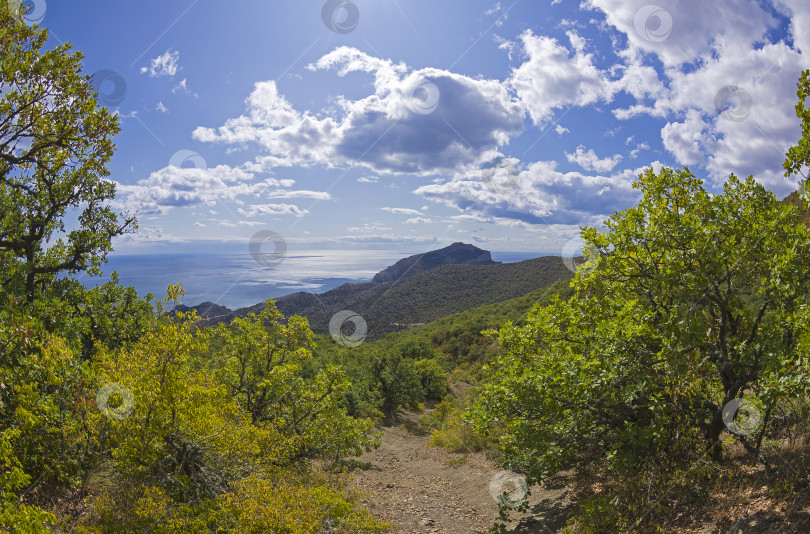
(449,430)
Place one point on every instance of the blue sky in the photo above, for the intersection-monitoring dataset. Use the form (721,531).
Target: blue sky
(415,123)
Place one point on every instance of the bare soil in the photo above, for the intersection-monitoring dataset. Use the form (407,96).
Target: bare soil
(422,489)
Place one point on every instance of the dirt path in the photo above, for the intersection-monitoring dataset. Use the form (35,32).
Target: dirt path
(421,489)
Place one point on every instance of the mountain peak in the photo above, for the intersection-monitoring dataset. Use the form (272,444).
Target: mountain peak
(457,253)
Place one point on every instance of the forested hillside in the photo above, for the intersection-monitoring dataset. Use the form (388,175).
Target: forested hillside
(432,294)
(461,337)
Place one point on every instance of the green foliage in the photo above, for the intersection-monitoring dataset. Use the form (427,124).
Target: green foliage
(43,393)
(289,501)
(198,447)
(397,382)
(416,350)
(15,516)
(449,430)
(258,355)
(181,443)
(793,199)
(47,101)
(433,379)
(170,437)
(108,315)
(111,315)
(798,156)
(597,514)
(697,299)
(267,367)
(382,378)
(432,346)
(460,337)
(297,504)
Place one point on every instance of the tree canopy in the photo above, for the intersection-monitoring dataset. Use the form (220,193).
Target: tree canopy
(55,143)
(798,156)
(696,299)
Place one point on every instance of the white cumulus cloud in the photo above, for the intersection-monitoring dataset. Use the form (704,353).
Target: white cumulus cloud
(589,161)
(554,76)
(163,65)
(416,121)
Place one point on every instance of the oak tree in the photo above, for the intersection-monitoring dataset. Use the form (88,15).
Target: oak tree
(55,143)
(697,299)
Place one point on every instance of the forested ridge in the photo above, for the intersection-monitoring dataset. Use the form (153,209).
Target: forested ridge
(668,378)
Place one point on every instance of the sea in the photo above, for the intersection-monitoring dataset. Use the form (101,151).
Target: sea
(237,280)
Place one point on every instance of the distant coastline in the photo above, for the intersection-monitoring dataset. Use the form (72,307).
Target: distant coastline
(236,280)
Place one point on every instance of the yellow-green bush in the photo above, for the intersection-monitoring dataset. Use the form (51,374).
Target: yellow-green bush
(450,431)
(207,448)
(15,516)
(290,503)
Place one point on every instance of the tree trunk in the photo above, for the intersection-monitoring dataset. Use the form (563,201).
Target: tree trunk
(29,287)
(714,446)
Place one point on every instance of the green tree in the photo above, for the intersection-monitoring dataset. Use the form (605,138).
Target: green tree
(266,363)
(416,350)
(110,314)
(394,381)
(695,301)
(433,379)
(798,156)
(55,142)
(170,424)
